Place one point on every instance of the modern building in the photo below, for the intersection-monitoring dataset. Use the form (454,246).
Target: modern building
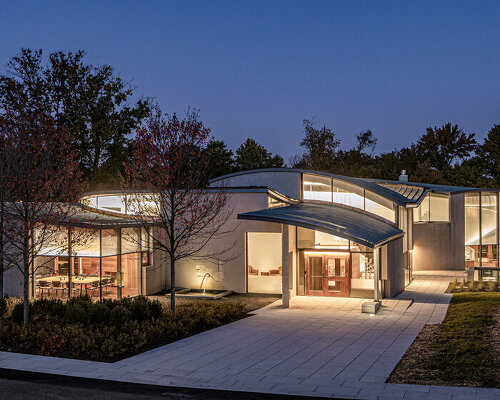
(295,232)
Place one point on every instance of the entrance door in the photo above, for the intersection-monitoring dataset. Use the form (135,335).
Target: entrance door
(327,274)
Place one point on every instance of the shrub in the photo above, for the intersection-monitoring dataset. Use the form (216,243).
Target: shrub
(453,285)
(480,286)
(120,316)
(18,313)
(492,286)
(3,306)
(139,309)
(108,330)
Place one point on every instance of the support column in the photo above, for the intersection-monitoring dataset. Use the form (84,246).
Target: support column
(285,266)
(376,275)
(373,306)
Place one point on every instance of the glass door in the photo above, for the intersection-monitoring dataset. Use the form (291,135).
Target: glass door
(327,275)
(337,275)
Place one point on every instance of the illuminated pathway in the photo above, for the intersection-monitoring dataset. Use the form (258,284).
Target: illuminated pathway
(321,347)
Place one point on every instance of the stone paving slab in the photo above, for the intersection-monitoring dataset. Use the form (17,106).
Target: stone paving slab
(319,347)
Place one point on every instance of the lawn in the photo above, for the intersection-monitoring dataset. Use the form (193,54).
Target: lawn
(109,330)
(464,350)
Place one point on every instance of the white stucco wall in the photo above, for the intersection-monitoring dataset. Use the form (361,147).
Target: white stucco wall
(230,274)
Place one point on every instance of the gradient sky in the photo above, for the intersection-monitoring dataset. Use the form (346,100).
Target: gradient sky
(258,68)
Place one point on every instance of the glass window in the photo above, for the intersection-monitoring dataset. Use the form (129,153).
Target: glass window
(264,262)
(85,242)
(489,218)
(326,240)
(130,274)
(472,219)
(439,207)
(54,241)
(111,203)
(348,194)
(130,240)
(380,206)
(422,212)
(317,187)
(109,239)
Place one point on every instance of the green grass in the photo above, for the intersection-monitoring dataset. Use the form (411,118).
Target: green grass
(463,352)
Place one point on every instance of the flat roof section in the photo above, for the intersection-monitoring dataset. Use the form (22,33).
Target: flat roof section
(346,222)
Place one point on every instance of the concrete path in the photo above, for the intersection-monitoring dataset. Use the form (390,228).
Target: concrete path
(318,347)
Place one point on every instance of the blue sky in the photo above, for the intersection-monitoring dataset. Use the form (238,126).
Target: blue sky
(258,68)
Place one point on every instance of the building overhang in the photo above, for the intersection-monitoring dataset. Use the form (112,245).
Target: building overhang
(346,222)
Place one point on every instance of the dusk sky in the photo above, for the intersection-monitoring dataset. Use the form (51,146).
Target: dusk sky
(258,68)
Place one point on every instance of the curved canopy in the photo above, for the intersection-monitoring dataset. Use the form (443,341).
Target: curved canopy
(338,220)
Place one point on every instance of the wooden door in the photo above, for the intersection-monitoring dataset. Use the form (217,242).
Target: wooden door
(327,275)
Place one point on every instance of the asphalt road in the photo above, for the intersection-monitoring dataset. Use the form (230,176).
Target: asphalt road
(15,385)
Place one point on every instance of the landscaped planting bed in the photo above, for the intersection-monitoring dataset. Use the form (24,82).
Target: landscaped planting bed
(464,350)
(106,331)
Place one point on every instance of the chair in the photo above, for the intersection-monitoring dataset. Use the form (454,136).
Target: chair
(82,275)
(252,270)
(71,287)
(95,286)
(43,285)
(58,287)
(93,275)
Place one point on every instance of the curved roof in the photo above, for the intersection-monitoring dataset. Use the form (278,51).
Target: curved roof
(346,222)
(389,194)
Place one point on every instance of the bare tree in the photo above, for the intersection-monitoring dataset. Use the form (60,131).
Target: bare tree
(168,174)
(41,179)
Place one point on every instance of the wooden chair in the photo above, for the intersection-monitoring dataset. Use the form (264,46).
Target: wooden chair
(58,287)
(43,285)
(95,286)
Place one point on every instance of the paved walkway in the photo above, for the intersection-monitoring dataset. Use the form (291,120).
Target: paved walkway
(319,347)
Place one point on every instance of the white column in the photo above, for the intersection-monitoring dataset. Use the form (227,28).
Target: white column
(285,273)
(376,275)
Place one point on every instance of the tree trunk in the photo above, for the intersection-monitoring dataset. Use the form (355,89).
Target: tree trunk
(26,286)
(26,293)
(172,285)
(2,259)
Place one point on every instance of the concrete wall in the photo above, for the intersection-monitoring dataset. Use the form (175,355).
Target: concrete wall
(284,182)
(230,274)
(393,273)
(440,245)
(13,282)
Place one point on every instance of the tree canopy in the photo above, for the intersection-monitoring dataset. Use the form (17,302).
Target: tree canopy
(89,101)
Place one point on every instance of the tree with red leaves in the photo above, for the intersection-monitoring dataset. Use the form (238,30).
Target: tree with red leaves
(41,179)
(170,172)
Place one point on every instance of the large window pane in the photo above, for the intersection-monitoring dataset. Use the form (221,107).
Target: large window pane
(130,240)
(264,262)
(422,212)
(472,219)
(380,206)
(85,242)
(489,218)
(109,239)
(348,194)
(317,187)
(326,240)
(130,275)
(439,207)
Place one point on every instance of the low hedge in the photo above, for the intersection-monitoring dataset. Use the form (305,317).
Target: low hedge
(106,331)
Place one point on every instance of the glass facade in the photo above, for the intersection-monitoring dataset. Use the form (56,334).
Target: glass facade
(330,265)
(433,208)
(316,187)
(99,263)
(264,268)
(481,234)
